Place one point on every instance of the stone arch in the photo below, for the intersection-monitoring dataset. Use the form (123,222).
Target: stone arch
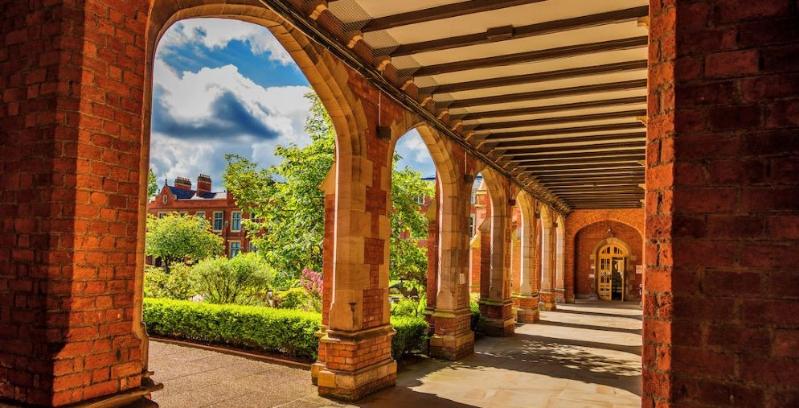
(450,229)
(352,172)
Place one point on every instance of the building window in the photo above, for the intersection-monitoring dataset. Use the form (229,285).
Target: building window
(219,219)
(164,198)
(161,214)
(420,199)
(200,214)
(253,248)
(235,248)
(235,221)
(471,225)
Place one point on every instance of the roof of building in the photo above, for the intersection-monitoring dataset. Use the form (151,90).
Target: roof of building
(183,194)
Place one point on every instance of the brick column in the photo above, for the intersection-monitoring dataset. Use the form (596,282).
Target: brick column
(526,301)
(453,337)
(722,205)
(496,304)
(71,77)
(547,260)
(559,281)
(355,349)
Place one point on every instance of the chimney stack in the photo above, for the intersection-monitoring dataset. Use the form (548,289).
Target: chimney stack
(203,183)
(183,183)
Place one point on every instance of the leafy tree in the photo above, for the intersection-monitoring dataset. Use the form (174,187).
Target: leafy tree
(178,237)
(408,261)
(152,184)
(242,279)
(286,204)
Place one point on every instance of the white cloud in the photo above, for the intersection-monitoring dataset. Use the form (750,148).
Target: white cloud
(190,99)
(215,33)
(412,144)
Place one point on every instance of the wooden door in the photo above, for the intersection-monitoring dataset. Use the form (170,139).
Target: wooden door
(611,264)
(605,273)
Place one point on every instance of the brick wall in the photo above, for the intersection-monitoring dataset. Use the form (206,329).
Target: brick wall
(585,245)
(579,219)
(722,205)
(71,77)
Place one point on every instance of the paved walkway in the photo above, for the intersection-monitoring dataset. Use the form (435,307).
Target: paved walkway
(583,355)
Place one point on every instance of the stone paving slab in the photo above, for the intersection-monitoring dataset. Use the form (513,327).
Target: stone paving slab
(583,355)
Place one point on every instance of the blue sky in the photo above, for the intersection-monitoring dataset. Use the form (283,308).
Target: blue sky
(225,86)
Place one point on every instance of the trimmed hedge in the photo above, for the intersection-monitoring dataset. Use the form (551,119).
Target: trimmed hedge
(290,332)
(411,335)
(286,331)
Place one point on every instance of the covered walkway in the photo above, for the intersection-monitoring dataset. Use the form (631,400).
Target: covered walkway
(585,355)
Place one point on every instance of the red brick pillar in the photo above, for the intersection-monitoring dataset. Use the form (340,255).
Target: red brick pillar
(722,205)
(547,260)
(433,227)
(526,300)
(355,348)
(453,337)
(496,304)
(71,75)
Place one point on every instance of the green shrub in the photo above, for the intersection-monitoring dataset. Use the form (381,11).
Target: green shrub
(173,285)
(291,332)
(405,307)
(474,306)
(243,279)
(297,298)
(411,335)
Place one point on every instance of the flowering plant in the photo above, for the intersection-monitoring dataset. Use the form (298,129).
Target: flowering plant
(312,282)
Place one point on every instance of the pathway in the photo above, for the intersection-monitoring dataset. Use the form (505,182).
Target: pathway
(583,355)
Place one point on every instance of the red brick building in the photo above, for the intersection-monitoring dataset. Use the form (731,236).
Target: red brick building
(219,208)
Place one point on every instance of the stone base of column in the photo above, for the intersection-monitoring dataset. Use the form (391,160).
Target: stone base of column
(453,337)
(547,301)
(497,317)
(138,397)
(526,308)
(560,295)
(355,364)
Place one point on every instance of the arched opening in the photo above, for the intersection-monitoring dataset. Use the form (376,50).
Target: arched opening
(413,250)
(602,248)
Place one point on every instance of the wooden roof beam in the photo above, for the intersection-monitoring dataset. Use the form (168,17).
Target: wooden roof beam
(559,135)
(548,93)
(440,13)
(550,108)
(560,119)
(531,56)
(546,27)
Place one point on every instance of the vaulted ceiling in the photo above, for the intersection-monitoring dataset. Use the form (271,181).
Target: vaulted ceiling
(552,91)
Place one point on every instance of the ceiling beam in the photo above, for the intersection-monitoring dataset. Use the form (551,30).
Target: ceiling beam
(536,77)
(578,142)
(634,100)
(531,56)
(578,165)
(587,170)
(517,156)
(585,176)
(561,119)
(546,94)
(596,182)
(571,161)
(564,149)
(546,27)
(440,13)
(557,134)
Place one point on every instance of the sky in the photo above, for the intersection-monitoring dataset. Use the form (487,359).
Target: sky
(226,86)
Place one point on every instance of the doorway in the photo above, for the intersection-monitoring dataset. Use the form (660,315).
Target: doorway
(611,267)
